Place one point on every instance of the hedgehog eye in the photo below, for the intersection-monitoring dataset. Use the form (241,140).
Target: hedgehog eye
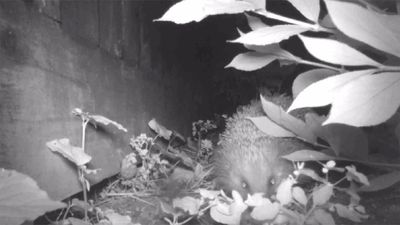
(244,185)
(272,181)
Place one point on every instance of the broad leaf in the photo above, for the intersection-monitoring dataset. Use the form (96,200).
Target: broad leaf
(160,129)
(187,11)
(270,128)
(367,101)
(21,198)
(291,123)
(378,30)
(308,155)
(284,191)
(299,195)
(273,49)
(74,154)
(258,4)
(323,217)
(230,214)
(188,204)
(305,79)
(322,194)
(350,213)
(309,8)
(266,211)
(335,52)
(105,121)
(323,92)
(117,219)
(353,174)
(270,35)
(381,182)
(251,61)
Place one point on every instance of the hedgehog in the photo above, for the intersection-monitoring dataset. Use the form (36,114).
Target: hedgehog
(247,160)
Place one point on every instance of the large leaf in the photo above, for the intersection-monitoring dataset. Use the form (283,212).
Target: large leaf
(270,128)
(250,61)
(309,77)
(21,199)
(254,22)
(367,101)
(187,11)
(308,155)
(378,30)
(309,8)
(270,35)
(323,92)
(291,123)
(381,182)
(335,52)
(74,154)
(105,121)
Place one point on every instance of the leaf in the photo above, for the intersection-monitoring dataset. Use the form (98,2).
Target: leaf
(251,61)
(266,211)
(305,79)
(208,194)
(234,212)
(308,155)
(353,174)
(291,123)
(323,92)
(117,219)
(336,52)
(284,191)
(322,194)
(105,121)
(367,101)
(309,8)
(188,204)
(254,22)
(381,182)
(349,213)
(160,129)
(273,49)
(381,31)
(21,198)
(256,199)
(323,217)
(74,154)
(299,195)
(187,11)
(270,35)
(270,128)
(258,4)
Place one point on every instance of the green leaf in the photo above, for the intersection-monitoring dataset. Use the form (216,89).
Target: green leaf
(367,101)
(160,129)
(229,214)
(21,198)
(270,128)
(323,92)
(353,174)
(266,211)
(258,4)
(254,22)
(105,121)
(188,204)
(299,195)
(322,194)
(309,8)
(74,154)
(308,155)
(287,121)
(381,182)
(349,213)
(336,52)
(284,191)
(323,217)
(270,35)
(251,61)
(375,29)
(303,80)
(187,11)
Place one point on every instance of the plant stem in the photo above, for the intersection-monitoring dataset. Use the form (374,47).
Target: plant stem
(314,27)
(307,62)
(80,169)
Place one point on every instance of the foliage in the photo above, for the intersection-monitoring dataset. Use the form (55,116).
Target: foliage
(21,199)
(362,97)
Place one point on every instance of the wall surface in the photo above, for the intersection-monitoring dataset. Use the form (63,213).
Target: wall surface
(108,58)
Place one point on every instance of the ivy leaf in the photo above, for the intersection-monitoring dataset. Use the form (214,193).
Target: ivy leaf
(322,194)
(309,8)
(270,35)
(74,154)
(251,61)
(367,101)
(270,128)
(308,155)
(323,92)
(187,11)
(336,52)
(381,182)
(291,123)
(21,198)
(381,31)
(303,80)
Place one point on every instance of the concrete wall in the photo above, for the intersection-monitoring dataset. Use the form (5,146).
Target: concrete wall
(108,58)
